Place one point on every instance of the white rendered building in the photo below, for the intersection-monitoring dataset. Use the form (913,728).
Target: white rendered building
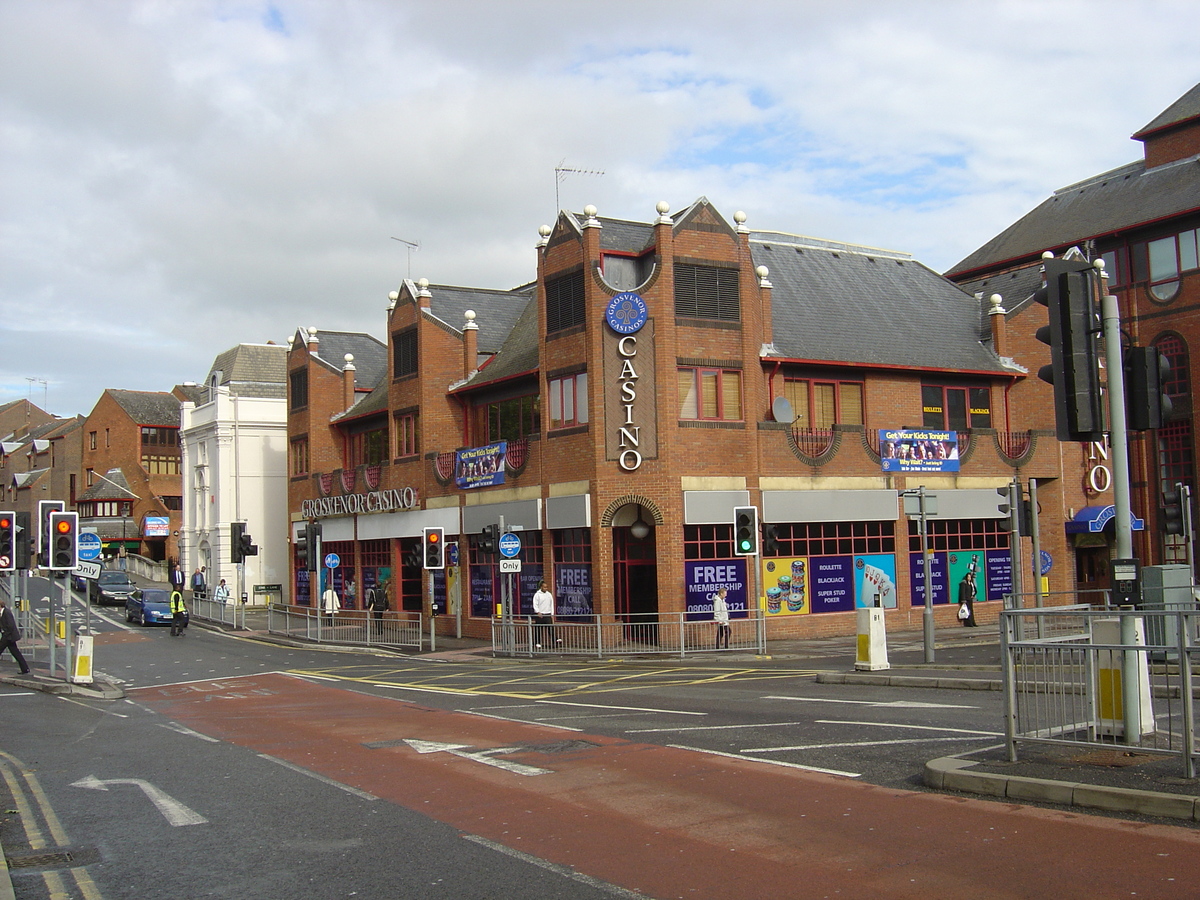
(234,445)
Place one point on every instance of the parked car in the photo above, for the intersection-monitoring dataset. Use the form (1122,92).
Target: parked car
(112,588)
(150,606)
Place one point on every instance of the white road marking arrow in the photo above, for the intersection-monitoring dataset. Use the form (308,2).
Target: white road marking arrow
(481,756)
(175,812)
(893,704)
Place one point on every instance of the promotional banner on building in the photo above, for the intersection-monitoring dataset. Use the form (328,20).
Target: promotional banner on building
(703,578)
(992,568)
(480,466)
(818,584)
(918,451)
(573,589)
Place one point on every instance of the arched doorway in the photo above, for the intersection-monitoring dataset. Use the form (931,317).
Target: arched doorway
(635,572)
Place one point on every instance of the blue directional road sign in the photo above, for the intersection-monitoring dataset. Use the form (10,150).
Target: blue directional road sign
(510,545)
(332,560)
(89,545)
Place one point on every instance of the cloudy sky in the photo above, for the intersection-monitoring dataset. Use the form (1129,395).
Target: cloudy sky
(179,176)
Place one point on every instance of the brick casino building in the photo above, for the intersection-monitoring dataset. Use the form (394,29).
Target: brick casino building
(654,376)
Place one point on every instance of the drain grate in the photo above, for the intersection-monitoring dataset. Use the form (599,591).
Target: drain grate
(62,858)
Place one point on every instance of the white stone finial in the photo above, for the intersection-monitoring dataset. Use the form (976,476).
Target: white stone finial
(543,235)
(740,218)
(469,315)
(592,221)
(1049,254)
(997,304)
(393,296)
(349,358)
(762,272)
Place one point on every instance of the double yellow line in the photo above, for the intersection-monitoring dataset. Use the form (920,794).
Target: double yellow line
(43,831)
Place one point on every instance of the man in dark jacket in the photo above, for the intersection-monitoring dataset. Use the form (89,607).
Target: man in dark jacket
(9,635)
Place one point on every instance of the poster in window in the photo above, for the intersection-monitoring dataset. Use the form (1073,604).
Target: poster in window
(703,578)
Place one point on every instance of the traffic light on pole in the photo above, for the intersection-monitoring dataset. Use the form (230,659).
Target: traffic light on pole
(249,548)
(435,547)
(302,547)
(1146,405)
(1172,510)
(1073,334)
(236,531)
(488,539)
(64,541)
(45,508)
(22,538)
(8,542)
(745,531)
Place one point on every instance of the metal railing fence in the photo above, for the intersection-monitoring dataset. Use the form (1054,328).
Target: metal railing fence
(355,627)
(1099,677)
(232,614)
(626,635)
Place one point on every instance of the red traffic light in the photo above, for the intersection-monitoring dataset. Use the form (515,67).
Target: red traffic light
(5,522)
(63,526)
(433,537)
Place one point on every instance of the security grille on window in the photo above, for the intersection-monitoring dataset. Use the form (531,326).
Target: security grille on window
(404,353)
(707,292)
(299,385)
(564,302)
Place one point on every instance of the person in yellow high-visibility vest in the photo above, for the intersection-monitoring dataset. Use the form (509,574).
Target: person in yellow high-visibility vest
(178,614)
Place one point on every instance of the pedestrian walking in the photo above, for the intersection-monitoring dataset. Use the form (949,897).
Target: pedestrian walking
(221,593)
(199,588)
(177,577)
(330,603)
(178,614)
(967,593)
(122,558)
(10,634)
(378,604)
(721,617)
(543,616)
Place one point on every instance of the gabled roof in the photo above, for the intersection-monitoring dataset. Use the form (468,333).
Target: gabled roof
(496,312)
(844,304)
(152,408)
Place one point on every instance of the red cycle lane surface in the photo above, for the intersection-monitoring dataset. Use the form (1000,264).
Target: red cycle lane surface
(679,823)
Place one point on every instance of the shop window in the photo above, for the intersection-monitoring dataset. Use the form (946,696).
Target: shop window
(714,394)
(823,404)
(404,353)
(568,400)
(708,541)
(298,389)
(707,292)
(946,408)
(406,435)
(834,538)
(564,302)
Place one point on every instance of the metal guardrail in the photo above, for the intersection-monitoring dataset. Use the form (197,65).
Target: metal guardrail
(355,628)
(628,635)
(1097,677)
(231,614)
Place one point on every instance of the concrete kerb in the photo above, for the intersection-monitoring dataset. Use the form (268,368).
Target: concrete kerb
(954,774)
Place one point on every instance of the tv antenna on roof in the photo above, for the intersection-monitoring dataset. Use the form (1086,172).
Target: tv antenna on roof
(561,171)
(412,245)
(45,389)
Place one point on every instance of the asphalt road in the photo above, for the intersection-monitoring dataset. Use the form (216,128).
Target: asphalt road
(248,770)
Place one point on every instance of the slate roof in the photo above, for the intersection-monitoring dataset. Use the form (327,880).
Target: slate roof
(370,354)
(253,370)
(1185,108)
(109,488)
(152,408)
(496,312)
(520,353)
(1120,199)
(844,304)
(1015,287)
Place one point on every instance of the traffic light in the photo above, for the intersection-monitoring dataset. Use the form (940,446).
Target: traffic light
(249,548)
(45,508)
(1073,335)
(308,545)
(241,544)
(22,538)
(745,530)
(770,540)
(1016,509)
(64,541)
(8,544)
(1172,510)
(435,547)
(1146,405)
(488,539)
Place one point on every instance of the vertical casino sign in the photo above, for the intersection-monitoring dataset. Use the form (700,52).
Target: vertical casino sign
(631,433)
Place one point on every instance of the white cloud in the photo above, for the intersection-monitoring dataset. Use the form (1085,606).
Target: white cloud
(178,177)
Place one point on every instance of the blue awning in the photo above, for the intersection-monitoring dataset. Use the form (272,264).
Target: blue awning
(1093,519)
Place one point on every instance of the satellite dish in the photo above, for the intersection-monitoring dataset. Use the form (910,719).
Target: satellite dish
(781,409)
